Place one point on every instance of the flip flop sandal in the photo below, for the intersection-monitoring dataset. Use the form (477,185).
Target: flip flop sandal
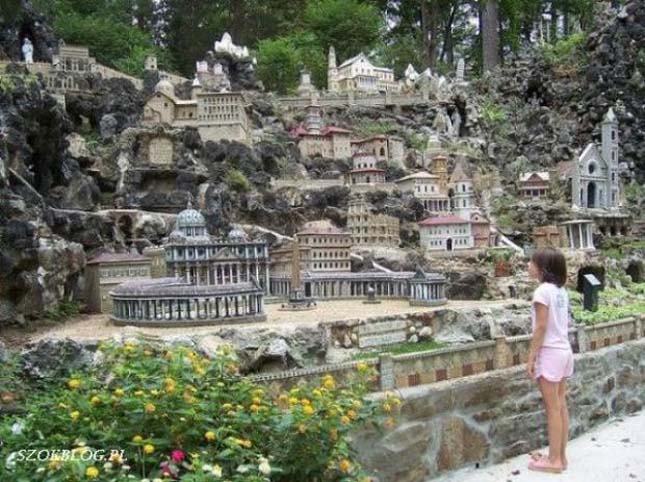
(542,464)
(537,455)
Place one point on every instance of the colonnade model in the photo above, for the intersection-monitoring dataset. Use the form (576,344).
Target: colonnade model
(169,301)
(419,288)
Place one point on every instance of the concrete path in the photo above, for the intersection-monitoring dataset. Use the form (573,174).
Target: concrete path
(613,452)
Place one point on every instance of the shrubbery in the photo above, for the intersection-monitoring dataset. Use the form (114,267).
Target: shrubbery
(177,415)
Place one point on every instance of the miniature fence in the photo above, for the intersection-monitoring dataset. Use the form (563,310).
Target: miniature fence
(306,184)
(411,369)
(350,98)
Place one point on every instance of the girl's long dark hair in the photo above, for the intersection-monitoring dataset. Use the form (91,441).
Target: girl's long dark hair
(552,265)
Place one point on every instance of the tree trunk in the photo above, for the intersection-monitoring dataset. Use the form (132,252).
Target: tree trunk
(565,18)
(429,25)
(554,23)
(448,51)
(489,23)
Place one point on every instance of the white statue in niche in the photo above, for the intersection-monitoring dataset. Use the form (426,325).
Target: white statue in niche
(456,123)
(28,51)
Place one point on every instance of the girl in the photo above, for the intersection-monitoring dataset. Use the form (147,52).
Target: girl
(551,358)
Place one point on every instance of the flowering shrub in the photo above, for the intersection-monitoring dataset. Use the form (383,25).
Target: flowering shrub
(174,415)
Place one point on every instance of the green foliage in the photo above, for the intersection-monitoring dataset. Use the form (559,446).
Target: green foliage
(278,64)
(565,51)
(613,304)
(237,181)
(63,311)
(498,254)
(493,114)
(400,348)
(159,406)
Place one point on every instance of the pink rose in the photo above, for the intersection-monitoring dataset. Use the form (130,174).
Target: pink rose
(177,456)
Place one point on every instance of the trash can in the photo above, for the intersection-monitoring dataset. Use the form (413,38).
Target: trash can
(590,288)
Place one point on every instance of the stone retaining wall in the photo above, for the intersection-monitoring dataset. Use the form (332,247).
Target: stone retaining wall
(489,417)
(425,367)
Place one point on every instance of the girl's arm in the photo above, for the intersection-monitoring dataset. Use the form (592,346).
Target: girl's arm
(541,320)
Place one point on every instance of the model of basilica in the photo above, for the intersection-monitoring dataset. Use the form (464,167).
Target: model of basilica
(210,280)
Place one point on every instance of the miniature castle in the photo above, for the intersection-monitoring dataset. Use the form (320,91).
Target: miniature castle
(314,139)
(370,229)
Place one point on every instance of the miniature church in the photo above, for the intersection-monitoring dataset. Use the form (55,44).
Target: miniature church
(595,182)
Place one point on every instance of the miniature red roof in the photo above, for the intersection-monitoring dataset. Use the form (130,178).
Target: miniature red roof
(301,131)
(438,220)
(117,258)
(334,130)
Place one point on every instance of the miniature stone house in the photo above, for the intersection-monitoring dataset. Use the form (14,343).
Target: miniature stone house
(460,192)
(216,115)
(546,236)
(534,184)
(369,229)
(480,227)
(314,139)
(359,74)
(427,188)
(446,233)
(107,271)
(365,171)
(390,149)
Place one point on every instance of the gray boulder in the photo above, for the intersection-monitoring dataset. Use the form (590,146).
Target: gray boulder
(50,359)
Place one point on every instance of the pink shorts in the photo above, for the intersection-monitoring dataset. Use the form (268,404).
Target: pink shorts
(554,364)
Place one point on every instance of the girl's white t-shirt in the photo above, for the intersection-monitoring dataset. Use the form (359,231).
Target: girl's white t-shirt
(557,328)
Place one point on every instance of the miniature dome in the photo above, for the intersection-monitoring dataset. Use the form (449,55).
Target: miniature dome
(166,87)
(190,217)
(237,235)
(176,236)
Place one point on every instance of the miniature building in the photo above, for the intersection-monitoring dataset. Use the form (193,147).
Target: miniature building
(217,115)
(369,229)
(211,79)
(359,74)
(480,227)
(424,290)
(460,191)
(534,184)
(427,189)
(437,193)
(579,233)
(323,248)
(306,88)
(390,149)
(433,149)
(73,58)
(446,233)
(157,256)
(365,171)
(595,181)
(315,140)
(546,236)
(106,271)
(215,280)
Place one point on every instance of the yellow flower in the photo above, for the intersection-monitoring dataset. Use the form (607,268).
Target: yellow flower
(116,458)
(329,384)
(304,401)
(396,401)
(139,393)
(361,367)
(357,404)
(147,352)
(74,415)
(55,463)
(91,472)
(387,408)
(210,435)
(345,466)
(294,392)
(308,410)
(333,434)
(154,392)
(254,408)
(351,414)
(74,383)
(119,392)
(148,449)
(331,412)
(95,400)
(345,420)
(293,400)
(137,439)
(257,400)
(243,442)
(149,408)
(258,392)
(227,406)
(317,393)
(388,423)
(302,428)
